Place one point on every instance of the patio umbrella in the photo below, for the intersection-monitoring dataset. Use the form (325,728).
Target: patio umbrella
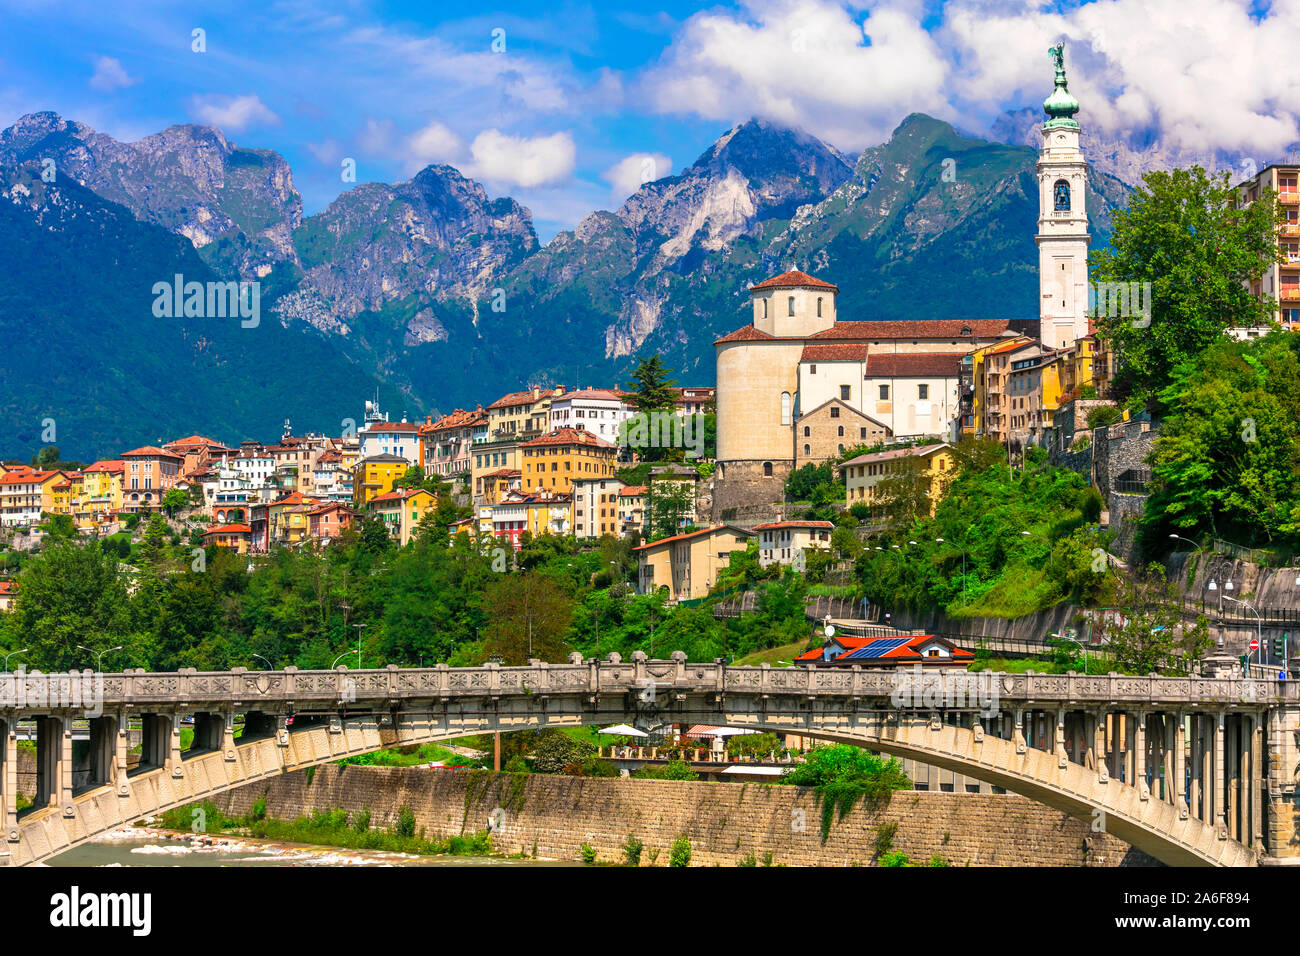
(623,730)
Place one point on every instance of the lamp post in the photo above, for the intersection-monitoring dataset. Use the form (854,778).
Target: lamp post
(1259,624)
(1179,537)
(339,658)
(1062,636)
(359,628)
(11,654)
(269,666)
(99,660)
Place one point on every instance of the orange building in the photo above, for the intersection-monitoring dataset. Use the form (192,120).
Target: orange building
(148,474)
(553,461)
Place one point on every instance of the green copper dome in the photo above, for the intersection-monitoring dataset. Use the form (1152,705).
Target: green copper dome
(1060,106)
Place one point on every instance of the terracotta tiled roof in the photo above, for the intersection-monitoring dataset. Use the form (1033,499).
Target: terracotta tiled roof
(952,329)
(834,353)
(880,456)
(746,333)
(8,587)
(391,427)
(567,436)
(197,440)
(400,494)
(794,279)
(110,465)
(460,418)
(927,366)
(149,451)
(633,491)
(230,529)
(591,394)
(694,534)
(525,398)
(295,498)
(821,525)
(504,473)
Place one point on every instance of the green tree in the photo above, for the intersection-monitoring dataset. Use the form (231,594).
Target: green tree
(528,617)
(651,388)
(71,593)
(667,506)
(174,499)
(1184,234)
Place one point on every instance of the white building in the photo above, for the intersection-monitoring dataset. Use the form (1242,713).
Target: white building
(596,410)
(401,439)
(595,507)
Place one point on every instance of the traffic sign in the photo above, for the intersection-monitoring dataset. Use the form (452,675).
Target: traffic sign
(1254,645)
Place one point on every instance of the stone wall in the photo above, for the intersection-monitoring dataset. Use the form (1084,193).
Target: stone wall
(741,484)
(553,816)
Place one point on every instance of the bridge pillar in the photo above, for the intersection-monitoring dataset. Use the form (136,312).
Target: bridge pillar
(209,732)
(1058,739)
(228,735)
(1258,783)
(1018,736)
(121,750)
(1180,764)
(1140,755)
(1097,748)
(1220,786)
(156,741)
(10,779)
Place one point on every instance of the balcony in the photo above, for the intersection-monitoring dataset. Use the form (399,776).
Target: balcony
(1289,294)
(1289,229)
(1289,198)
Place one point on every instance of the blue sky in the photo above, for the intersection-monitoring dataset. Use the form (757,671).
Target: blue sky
(577,101)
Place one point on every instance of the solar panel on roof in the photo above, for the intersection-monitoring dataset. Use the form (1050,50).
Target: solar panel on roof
(877,648)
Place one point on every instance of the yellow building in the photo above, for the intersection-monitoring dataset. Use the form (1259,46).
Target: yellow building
(289,519)
(552,462)
(375,476)
(402,509)
(101,493)
(490,462)
(688,564)
(1034,393)
(521,415)
(863,474)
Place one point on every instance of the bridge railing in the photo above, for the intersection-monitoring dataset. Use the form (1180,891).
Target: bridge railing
(652,680)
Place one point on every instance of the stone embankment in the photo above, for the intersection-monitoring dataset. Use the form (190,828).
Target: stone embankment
(553,816)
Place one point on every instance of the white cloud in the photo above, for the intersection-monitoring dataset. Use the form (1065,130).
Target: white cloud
(377,137)
(435,143)
(110,75)
(232,113)
(630,172)
(505,160)
(802,63)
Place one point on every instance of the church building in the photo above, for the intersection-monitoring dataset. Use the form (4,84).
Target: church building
(799,384)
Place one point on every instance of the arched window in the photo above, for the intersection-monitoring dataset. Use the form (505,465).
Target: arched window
(819,307)
(1061,196)
(765,308)
(841,433)
(791,312)
(767,469)
(785,408)
(806,431)
(841,449)
(807,449)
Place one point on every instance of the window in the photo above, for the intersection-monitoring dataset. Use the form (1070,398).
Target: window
(767,469)
(884,393)
(806,431)
(785,408)
(923,391)
(819,307)
(841,433)
(812,369)
(864,432)
(765,308)
(846,392)
(807,449)
(835,411)
(1061,196)
(791,301)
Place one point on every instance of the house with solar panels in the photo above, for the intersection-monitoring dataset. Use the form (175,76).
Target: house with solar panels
(928,650)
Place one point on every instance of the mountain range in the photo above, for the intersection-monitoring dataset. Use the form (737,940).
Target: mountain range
(435,295)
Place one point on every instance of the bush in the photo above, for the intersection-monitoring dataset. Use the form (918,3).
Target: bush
(361,820)
(1104,415)
(674,770)
(556,751)
(517,764)
(594,767)
(405,822)
(680,854)
(588,853)
(897,858)
(632,848)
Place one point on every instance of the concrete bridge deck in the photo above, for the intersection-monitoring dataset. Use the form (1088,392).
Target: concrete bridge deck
(1174,766)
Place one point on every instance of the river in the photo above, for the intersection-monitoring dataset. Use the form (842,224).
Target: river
(146,846)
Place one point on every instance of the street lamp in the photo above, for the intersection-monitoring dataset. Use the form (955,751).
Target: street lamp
(11,654)
(1179,537)
(359,627)
(1259,623)
(1062,636)
(269,666)
(98,661)
(339,658)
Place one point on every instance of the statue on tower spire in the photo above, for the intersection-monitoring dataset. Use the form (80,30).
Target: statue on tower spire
(1060,106)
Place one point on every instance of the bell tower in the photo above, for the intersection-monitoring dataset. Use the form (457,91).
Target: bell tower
(1062,219)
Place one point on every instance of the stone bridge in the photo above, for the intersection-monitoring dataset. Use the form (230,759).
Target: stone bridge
(1192,770)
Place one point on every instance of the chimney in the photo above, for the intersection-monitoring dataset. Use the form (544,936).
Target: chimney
(537,393)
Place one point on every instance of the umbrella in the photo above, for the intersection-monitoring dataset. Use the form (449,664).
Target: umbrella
(730,732)
(623,730)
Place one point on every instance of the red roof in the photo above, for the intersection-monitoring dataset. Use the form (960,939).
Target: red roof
(197,440)
(459,418)
(926,366)
(901,652)
(230,529)
(794,279)
(633,491)
(526,398)
(390,427)
(746,333)
(149,451)
(834,353)
(399,495)
(504,473)
(294,498)
(8,587)
(916,329)
(690,534)
(567,436)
